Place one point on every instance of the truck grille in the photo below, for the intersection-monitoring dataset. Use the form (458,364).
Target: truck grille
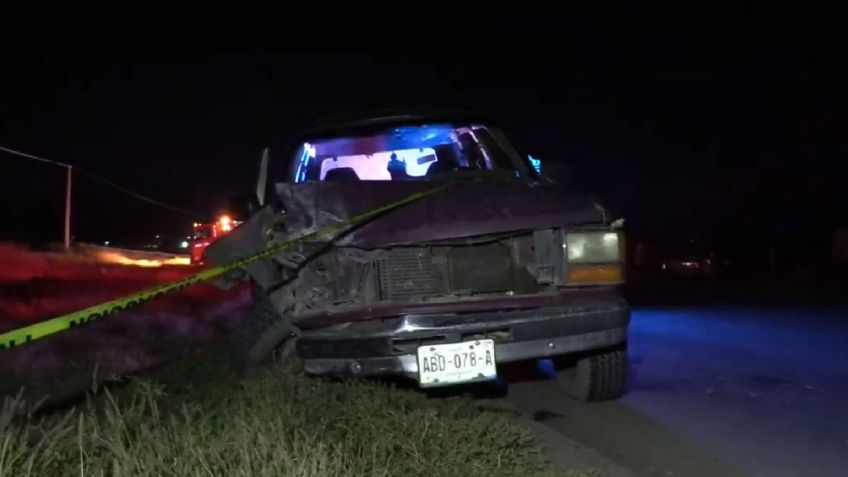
(408,273)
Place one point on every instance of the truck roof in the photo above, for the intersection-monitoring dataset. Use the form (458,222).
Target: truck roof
(381,118)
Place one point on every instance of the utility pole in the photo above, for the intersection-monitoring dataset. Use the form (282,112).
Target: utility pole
(68,208)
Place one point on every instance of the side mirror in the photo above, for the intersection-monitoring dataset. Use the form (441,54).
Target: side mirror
(536,163)
(262,179)
(557,172)
(243,206)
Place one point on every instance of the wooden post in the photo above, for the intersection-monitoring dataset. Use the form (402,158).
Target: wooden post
(68,209)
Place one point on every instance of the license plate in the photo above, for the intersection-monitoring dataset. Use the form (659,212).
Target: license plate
(454,363)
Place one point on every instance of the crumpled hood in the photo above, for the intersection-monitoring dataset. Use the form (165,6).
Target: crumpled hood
(461,210)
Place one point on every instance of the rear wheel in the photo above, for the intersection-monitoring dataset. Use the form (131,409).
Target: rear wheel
(259,334)
(599,376)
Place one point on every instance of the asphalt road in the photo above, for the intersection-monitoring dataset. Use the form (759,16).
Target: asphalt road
(717,391)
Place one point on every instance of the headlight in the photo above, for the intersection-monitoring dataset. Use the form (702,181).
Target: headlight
(593,247)
(593,257)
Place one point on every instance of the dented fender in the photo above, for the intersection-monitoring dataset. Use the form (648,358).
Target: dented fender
(249,237)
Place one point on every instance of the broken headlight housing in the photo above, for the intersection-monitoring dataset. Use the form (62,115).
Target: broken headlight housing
(593,257)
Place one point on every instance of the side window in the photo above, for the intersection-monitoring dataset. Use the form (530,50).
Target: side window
(497,156)
(475,158)
(303,164)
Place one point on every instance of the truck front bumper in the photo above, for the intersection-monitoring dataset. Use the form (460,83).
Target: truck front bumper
(389,347)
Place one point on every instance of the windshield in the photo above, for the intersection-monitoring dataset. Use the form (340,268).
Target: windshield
(406,153)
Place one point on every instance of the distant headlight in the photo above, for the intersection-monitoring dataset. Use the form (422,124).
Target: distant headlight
(593,247)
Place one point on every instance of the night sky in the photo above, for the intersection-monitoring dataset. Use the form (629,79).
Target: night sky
(713,124)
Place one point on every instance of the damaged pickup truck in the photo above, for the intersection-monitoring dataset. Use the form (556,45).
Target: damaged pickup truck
(502,265)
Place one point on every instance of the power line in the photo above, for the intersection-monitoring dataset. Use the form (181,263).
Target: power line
(137,195)
(104,181)
(35,158)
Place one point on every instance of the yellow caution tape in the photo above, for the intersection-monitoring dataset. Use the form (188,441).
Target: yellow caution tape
(62,323)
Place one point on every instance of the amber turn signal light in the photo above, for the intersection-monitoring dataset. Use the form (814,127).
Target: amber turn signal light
(595,274)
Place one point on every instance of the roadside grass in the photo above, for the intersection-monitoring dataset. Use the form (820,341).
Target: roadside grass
(201,420)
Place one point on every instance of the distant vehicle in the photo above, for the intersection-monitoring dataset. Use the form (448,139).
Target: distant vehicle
(204,234)
(688,266)
(503,265)
(694,261)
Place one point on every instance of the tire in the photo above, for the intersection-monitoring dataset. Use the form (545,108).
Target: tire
(256,337)
(600,376)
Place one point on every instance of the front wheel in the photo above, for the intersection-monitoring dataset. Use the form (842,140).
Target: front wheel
(259,334)
(600,376)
